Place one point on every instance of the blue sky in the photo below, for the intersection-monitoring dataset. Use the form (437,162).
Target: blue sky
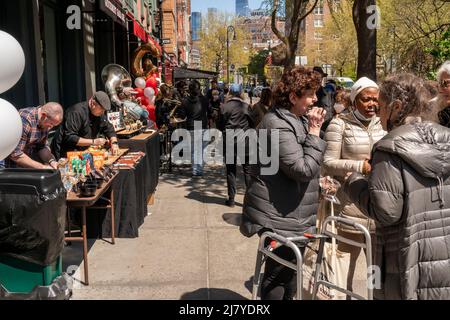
(221,5)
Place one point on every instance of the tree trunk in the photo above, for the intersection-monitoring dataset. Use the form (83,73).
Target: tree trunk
(293,10)
(367,40)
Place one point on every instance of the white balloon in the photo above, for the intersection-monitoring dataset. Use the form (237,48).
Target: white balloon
(140,83)
(149,93)
(12,61)
(10,128)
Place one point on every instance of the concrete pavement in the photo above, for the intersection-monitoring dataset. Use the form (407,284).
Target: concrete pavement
(189,247)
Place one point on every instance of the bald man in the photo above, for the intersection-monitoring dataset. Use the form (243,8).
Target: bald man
(33,150)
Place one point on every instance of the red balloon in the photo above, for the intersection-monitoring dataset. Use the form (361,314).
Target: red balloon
(152,83)
(151,112)
(140,92)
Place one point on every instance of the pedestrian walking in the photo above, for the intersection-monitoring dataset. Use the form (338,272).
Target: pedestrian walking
(234,122)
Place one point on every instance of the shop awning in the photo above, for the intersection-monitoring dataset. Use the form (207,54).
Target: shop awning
(139,31)
(184,73)
(113,8)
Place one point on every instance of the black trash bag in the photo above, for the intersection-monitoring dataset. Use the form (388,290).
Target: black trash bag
(32,215)
(60,289)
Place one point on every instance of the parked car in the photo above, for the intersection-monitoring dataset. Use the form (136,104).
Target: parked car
(344,82)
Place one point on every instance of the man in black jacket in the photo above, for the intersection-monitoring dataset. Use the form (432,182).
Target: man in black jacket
(235,116)
(196,110)
(85,124)
(325,100)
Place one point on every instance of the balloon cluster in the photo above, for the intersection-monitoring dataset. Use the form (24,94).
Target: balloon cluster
(12,65)
(146,92)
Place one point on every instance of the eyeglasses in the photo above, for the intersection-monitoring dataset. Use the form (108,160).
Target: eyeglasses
(51,122)
(444,83)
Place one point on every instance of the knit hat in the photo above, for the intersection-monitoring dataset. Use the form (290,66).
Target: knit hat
(360,85)
(235,89)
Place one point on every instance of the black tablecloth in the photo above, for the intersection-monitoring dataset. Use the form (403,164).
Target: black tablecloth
(151,148)
(130,205)
(131,190)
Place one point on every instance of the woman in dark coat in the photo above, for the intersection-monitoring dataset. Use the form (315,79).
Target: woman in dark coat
(286,202)
(408,195)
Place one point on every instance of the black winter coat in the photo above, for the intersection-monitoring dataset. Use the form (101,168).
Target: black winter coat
(287,201)
(196,109)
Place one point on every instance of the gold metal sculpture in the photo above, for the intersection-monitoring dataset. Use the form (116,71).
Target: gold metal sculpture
(144,68)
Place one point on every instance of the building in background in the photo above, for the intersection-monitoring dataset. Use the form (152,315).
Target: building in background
(258,25)
(195,58)
(184,31)
(242,8)
(212,13)
(196,25)
(312,37)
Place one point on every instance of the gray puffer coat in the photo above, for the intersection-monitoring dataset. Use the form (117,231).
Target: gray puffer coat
(408,196)
(286,202)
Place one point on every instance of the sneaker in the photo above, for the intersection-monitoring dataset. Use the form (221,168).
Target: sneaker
(230,203)
(197,176)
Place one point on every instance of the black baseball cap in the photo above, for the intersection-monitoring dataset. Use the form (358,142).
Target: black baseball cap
(320,70)
(102,99)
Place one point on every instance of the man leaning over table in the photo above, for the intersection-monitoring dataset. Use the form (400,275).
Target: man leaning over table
(33,150)
(86,124)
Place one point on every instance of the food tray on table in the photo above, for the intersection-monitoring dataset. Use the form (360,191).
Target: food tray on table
(128,133)
(112,159)
(128,161)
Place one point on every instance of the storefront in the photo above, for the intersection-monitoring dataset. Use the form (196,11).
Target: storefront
(53,53)
(111,37)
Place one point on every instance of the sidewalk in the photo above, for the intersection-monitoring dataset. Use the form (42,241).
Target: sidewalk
(190,247)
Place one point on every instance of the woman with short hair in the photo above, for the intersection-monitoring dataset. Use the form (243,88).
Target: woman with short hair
(286,202)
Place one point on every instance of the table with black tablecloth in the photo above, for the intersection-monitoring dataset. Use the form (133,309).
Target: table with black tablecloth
(132,188)
(130,206)
(149,144)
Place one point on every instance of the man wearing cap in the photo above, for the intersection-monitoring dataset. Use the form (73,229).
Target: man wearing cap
(86,124)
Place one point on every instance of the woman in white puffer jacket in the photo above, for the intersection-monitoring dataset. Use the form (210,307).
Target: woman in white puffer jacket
(350,138)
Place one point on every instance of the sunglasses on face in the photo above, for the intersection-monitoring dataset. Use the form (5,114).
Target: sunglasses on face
(444,83)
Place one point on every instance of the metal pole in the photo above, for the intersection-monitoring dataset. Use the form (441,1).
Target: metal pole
(228,59)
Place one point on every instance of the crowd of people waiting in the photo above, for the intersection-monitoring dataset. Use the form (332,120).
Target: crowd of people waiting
(387,143)
(390,149)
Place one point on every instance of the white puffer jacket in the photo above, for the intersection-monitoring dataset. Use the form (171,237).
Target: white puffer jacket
(349,144)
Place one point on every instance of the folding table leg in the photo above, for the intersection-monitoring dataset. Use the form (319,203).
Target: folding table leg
(85,247)
(113,224)
(69,222)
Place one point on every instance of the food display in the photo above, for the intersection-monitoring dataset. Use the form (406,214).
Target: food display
(129,160)
(81,171)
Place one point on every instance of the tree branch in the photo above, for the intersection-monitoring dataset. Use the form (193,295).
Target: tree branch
(274,24)
(300,18)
